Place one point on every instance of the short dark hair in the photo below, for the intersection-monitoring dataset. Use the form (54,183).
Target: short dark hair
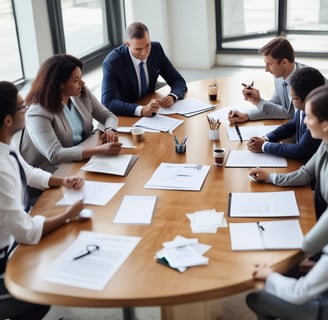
(8,99)
(45,88)
(318,98)
(136,30)
(304,80)
(279,48)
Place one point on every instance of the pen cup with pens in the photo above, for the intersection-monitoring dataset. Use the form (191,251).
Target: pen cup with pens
(214,126)
(180,147)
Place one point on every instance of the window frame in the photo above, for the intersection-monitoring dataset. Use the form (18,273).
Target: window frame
(280,31)
(115,21)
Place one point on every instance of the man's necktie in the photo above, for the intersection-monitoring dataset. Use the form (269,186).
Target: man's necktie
(143,81)
(286,95)
(301,126)
(23,180)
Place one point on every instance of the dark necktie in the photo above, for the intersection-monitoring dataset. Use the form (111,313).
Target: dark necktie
(23,180)
(143,81)
(286,95)
(301,126)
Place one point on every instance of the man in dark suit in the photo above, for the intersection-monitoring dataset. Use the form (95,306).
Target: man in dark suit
(302,82)
(125,80)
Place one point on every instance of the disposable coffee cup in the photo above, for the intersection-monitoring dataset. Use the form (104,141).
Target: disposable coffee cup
(214,134)
(212,92)
(219,155)
(137,134)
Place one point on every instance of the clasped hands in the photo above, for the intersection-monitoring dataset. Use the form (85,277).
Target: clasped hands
(153,106)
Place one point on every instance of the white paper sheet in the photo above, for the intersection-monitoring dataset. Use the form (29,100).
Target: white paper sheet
(246,158)
(97,193)
(159,122)
(263,204)
(247,132)
(110,164)
(94,270)
(136,209)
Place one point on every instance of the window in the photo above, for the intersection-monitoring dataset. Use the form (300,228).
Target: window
(87,29)
(248,24)
(11,70)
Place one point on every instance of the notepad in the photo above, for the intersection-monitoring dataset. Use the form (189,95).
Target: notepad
(247,132)
(266,235)
(263,204)
(111,164)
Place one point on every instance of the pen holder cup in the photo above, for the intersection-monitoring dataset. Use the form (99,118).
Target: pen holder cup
(180,148)
(214,134)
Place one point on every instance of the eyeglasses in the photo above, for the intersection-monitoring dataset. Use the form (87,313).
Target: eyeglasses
(21,108)
(89,249)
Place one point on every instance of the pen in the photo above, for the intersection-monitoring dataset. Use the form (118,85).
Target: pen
(248,86)
(238,132)
(176,140)
(89,249)
(184,140)
(261,228)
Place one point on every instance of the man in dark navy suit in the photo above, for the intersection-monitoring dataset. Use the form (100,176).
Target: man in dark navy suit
(302,82)
(125,80)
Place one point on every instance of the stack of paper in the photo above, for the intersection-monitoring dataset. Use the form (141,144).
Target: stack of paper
(206,221)
(187,107)
(182,253)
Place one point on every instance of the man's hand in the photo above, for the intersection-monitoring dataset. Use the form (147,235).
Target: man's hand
(255,144)
(151,108)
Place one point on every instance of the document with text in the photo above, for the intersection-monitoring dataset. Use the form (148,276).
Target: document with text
(91,260)
(263,204)
(178,176)
(159,123)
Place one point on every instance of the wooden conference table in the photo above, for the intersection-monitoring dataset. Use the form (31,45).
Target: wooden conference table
(141,281)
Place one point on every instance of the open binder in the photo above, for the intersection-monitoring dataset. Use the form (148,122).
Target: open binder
(266,235)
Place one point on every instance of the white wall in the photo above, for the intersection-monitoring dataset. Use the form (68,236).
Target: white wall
(185,28)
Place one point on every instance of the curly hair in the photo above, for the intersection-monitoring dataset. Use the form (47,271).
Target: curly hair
(45,89)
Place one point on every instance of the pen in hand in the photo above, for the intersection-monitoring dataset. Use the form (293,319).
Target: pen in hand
(248,86)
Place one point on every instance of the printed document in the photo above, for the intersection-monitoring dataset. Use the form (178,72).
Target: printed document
(178,176)
(263,204)
(78,268)
(266,235)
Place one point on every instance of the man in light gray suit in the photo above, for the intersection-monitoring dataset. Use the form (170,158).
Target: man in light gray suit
(279,58)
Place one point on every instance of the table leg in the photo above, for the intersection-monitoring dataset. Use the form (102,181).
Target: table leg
(128,313)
